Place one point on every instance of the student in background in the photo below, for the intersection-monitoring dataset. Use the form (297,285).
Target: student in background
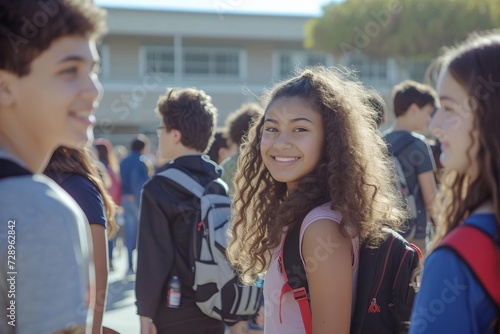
(452,297)
(107,157)
(414,104)
(135,170)
(186,129)
(72,169)
(220,149)
(237,124)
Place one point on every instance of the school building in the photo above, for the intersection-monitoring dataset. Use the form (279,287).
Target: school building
(233,57)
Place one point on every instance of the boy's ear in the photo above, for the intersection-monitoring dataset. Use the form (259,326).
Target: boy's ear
(177,135)
(6,96)
(412,109)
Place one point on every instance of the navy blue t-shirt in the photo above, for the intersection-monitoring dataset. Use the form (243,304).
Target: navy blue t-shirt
(88,197)
(416,158)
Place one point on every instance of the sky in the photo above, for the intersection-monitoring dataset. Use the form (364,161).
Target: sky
(282,7)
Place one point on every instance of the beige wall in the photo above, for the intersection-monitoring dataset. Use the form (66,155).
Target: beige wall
(130,96)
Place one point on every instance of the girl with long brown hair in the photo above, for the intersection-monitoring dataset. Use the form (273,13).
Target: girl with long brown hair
(313,161)
(73,170)
(453,297)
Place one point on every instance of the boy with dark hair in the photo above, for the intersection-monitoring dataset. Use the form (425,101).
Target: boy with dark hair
(188,121)
(220,149)
(48,91)
(414,104)
(135,170)
(238,123)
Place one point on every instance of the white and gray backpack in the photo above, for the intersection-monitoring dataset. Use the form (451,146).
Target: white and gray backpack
(218,290)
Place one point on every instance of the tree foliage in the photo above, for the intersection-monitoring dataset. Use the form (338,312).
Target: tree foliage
(398,28)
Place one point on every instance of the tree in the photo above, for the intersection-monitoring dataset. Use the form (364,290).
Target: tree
(398,28)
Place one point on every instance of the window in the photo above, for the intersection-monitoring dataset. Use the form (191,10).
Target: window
(288,61)
(213,62)
(103,51)
(196,61)
(368,69)
(159,59)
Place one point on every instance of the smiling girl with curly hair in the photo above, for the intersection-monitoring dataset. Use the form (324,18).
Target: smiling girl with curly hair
(315,161)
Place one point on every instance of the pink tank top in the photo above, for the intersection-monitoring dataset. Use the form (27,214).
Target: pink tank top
(290,313)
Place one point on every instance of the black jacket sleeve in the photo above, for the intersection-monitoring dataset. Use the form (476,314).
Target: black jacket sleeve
(154,252)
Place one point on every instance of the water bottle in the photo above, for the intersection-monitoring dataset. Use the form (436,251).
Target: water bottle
(174,292)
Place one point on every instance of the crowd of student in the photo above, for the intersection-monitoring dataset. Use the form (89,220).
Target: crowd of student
(313,160)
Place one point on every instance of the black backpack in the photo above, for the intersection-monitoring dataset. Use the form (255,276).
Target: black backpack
(386,283)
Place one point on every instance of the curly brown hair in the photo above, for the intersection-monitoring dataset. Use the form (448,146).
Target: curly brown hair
(190,111)
(28,28)
(473,64)
(354,174)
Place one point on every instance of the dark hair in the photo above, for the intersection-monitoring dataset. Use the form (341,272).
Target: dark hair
(376,102)
(79,162)
(139,143)
(106,154)
(239,121)
(191,112)
(220,141)
(474,64)
(411,92)
(28,28)
(353,174)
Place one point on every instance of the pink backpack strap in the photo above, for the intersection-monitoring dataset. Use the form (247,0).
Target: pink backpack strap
(480,253)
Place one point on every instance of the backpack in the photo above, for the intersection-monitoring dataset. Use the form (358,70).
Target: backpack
(400,177)
(218,291)
(480,253)
(385,288)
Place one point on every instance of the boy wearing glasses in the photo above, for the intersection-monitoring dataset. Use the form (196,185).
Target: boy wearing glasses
(188,120)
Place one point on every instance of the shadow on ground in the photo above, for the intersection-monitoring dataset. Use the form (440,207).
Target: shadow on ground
(120,293)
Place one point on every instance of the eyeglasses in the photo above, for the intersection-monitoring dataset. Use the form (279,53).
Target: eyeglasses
(160,129)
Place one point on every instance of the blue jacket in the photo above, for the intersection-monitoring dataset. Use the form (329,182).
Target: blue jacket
(134,173)
(451,300)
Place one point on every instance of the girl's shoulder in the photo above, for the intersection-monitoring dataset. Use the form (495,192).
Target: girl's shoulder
(323,211)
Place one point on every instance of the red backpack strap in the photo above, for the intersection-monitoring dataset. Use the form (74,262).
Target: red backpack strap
(300,295)
(480,253)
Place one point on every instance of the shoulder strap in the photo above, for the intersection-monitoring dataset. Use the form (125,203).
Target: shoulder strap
(294,275)
(480,254)
(184,180)
(10,168)
(193,187)
(404,140)
(394,149)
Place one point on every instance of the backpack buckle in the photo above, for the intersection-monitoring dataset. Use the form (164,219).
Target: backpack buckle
(300,293)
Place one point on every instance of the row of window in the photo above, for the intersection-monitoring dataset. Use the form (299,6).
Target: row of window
(230,62)
(210,62)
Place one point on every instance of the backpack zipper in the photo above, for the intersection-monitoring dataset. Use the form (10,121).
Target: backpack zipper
(374,307)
